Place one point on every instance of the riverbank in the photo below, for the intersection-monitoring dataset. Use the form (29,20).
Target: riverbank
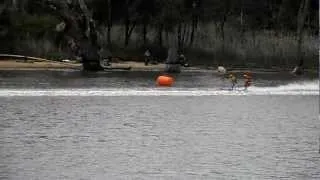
(55,65)
(13,64)
(33,65)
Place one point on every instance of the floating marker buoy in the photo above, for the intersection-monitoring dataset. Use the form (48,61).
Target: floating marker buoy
(164,80)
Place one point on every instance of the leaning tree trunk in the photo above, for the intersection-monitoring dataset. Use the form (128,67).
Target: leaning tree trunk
(160,35)
(90,50)
(128,30)
(303,10)
(193,27)
(184,32)
(144,32)
(80,32)
(109,23)
(129,25)
(179,36)
(301,18)
(172,63)
(222,25)
(280,15)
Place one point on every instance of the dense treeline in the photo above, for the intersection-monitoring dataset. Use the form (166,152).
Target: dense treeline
(239,32)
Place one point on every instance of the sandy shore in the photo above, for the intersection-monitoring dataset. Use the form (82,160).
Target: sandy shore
(52,65)
(35,65)
(135,66)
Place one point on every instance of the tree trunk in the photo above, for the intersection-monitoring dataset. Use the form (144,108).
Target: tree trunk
(127,23)
(144,32)
(172,64)
(253,32)
(80,31)
(167,37)
(222,35)
(222,24)
(222,28)
(281,12)
(184,34)
(172,61)
(303,10)
(128,29)
(192,35)
(188,32)
(109,23)
(129,32)
(160,34)
(90,49)
(241,19)
(242,30)
(86,14)
(179,37)
(193,27)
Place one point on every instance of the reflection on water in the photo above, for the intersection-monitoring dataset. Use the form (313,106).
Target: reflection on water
(114,131)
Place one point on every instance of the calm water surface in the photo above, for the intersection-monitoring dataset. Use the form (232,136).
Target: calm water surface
(63,134)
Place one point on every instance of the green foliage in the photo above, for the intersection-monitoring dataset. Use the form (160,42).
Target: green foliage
(241,32)
(33,25)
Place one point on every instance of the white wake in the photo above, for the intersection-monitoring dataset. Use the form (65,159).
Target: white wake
(299,88)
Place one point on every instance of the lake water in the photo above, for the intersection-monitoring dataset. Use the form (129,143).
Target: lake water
(119,125)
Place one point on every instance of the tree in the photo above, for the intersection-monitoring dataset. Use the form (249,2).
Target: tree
(147,11)
(301,18)
(80,31)
(195,18)
(103,13)
(131,17)
(109,22)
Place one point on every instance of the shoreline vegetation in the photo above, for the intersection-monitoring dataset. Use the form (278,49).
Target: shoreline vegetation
(270,35)
(264,49)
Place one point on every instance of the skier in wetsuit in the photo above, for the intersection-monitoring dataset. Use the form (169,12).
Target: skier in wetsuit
(247,80)
(233,80)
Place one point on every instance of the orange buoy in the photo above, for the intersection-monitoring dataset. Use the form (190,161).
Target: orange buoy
(164,80)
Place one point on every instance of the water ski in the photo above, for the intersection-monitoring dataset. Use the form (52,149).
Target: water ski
(235,89)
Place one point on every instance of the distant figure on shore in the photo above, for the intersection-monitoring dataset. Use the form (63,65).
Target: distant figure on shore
(298,70)
(105,62)
(147,57)
(222,70)
(183,60)
(105,57)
